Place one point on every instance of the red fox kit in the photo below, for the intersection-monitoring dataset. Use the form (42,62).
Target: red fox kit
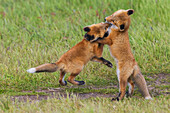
(78,56)
(118,41)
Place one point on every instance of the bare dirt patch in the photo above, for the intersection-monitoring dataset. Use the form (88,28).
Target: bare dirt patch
(61,92)
(157,85)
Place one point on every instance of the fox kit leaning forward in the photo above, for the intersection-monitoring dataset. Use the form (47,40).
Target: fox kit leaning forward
(75,59)
(127,67)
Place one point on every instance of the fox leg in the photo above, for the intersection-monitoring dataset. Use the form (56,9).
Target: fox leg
(103,61)
(123,84)
(107,41)
(72,80)
(123,76)
(131,87)
(122,87)
(61,80)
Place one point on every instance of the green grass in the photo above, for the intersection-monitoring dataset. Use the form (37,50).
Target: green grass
(18,93)
(92,105)
(34,32)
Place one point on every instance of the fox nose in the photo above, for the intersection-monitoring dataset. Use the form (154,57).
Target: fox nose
(105,19)
(89,37)
(122,26)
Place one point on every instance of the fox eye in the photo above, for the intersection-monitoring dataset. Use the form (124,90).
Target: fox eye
(112,20)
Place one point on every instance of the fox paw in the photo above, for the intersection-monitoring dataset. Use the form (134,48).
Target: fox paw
(80,82)
(63,84)
(127,94)
(115,99)
(109,64)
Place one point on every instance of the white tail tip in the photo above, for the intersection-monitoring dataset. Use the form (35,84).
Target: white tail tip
(148,98)
(32,70)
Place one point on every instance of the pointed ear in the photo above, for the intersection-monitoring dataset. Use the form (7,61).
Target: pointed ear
(130,11)
(86,29)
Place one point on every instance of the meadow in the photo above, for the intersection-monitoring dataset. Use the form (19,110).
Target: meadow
(34,32)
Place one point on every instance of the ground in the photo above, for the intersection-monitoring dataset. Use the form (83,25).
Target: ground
(157,85)
(34,32)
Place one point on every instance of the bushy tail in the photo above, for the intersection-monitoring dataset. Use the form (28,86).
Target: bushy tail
(141,83)
(50,67)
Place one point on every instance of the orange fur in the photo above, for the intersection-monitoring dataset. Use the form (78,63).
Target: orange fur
(127,67)
(77,57)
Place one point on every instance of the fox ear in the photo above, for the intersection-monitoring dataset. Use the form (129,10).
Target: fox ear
(86,29)
(130,11)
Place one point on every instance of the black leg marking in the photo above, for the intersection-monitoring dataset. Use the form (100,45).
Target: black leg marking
(109,64)
(65,83)
(106,62)
(127,94)
(80,82)
(117,98)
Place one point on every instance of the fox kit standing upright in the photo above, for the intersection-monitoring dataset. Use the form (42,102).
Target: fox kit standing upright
(74,60)
(127,67)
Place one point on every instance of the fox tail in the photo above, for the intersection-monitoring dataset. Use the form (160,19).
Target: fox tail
(49,67)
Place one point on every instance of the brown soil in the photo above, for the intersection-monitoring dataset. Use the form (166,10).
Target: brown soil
(154,85)
(157,84)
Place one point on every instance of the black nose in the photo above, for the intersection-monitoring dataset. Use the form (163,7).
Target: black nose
(89,37)
(105,19)
(110,24)
(122,26)
(106,34)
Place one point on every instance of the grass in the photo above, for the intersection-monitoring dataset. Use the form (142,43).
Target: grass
(37,32)
(34,32)
(18,93)
(92,105)
(90,90)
